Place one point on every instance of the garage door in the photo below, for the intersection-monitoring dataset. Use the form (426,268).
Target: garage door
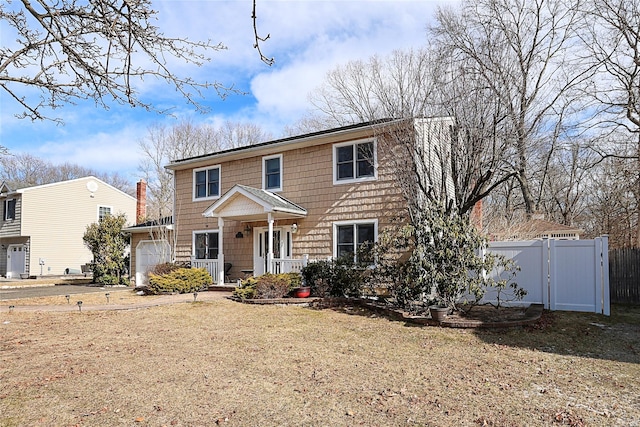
(149,254)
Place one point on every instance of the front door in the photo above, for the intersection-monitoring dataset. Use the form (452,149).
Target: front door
(281,247)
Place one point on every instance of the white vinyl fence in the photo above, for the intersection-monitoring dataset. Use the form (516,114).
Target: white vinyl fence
(570,275)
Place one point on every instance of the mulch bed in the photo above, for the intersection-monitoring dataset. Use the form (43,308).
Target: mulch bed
(482,316)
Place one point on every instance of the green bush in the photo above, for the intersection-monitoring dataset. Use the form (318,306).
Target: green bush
(247,289)
(338,278)
(268,286)
(180,280)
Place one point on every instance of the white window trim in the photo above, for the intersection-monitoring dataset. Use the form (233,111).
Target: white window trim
(6,210)
(264,172)
(193,240)
(337,181)
(193,184)
(98,211)
(352,222)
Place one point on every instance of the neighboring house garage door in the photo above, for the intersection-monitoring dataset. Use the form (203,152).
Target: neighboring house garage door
(15,261)
(148,254)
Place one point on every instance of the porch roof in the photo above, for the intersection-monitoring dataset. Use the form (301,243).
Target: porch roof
(243,203)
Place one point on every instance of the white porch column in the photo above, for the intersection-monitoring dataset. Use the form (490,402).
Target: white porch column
(270,245)
(220,279)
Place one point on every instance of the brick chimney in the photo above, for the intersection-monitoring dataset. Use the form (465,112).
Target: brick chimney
(141,201)
(476,215)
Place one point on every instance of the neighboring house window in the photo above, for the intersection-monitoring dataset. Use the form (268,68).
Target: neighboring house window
(349,237)
(272,173)
(354,161)
(206,245)
(9,209)
(103,211)
(206,183)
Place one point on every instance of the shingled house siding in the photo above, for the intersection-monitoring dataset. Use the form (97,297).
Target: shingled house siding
(307,180)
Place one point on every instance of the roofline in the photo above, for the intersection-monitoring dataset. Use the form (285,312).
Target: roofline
(134,228)
(190,161)
(51,184)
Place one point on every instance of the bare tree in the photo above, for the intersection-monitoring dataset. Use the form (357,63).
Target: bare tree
(613,41)
(569,179)
(612,204)
(396,86)
(186,139)
(522,50)
(100,50)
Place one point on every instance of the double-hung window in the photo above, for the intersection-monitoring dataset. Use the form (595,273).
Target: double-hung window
(272,173)
(350,237)
(9,209)
(103,211)
(205,244)
(206,183)
(354,161)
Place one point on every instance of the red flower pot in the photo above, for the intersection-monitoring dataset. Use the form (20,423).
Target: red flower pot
(302,292)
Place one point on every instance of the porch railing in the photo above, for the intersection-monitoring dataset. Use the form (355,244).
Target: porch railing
(280,265)
(211,265)
(285,265)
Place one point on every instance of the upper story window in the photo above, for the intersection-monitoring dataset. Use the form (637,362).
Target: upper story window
(272,173)
(9,209)
(354,161)
(350,237)
(205,245)
(103,211)
(206,183)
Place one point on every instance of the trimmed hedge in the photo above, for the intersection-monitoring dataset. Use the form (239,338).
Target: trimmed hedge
(181,280)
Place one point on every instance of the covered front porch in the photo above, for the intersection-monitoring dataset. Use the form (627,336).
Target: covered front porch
(268,219)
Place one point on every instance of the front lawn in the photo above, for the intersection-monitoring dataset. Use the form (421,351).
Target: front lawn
(224,363)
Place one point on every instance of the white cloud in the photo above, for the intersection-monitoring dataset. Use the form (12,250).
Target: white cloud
(115,150)
(308,38)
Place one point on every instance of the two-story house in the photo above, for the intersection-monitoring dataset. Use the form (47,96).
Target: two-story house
(41,227)
(272,206)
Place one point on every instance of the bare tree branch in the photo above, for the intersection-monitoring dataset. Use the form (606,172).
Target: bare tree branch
(99,49)
(258,39)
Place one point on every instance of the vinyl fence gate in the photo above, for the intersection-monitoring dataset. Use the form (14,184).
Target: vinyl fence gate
(570,275)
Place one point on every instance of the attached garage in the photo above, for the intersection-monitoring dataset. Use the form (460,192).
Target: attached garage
(150,253)
(150,246)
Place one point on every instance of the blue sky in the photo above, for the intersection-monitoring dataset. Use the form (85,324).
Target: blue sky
(308,38)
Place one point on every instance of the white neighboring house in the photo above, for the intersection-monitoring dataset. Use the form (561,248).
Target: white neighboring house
(41,227)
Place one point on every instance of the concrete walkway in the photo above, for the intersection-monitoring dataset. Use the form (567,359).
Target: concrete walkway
(14,305)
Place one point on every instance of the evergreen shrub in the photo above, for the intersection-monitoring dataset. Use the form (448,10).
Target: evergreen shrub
(180,280)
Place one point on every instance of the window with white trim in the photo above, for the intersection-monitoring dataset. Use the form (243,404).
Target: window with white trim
(205,244)
(349,237)
(355,161)
(206,183)
(9,209)
(103,211)
(272,173)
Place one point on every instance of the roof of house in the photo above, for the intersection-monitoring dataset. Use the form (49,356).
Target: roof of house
(167,222)
(543,226)
(5,190)
(187,162)
(537,228)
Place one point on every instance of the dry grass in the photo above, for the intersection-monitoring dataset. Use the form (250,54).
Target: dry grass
(221,362)
(123,296)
